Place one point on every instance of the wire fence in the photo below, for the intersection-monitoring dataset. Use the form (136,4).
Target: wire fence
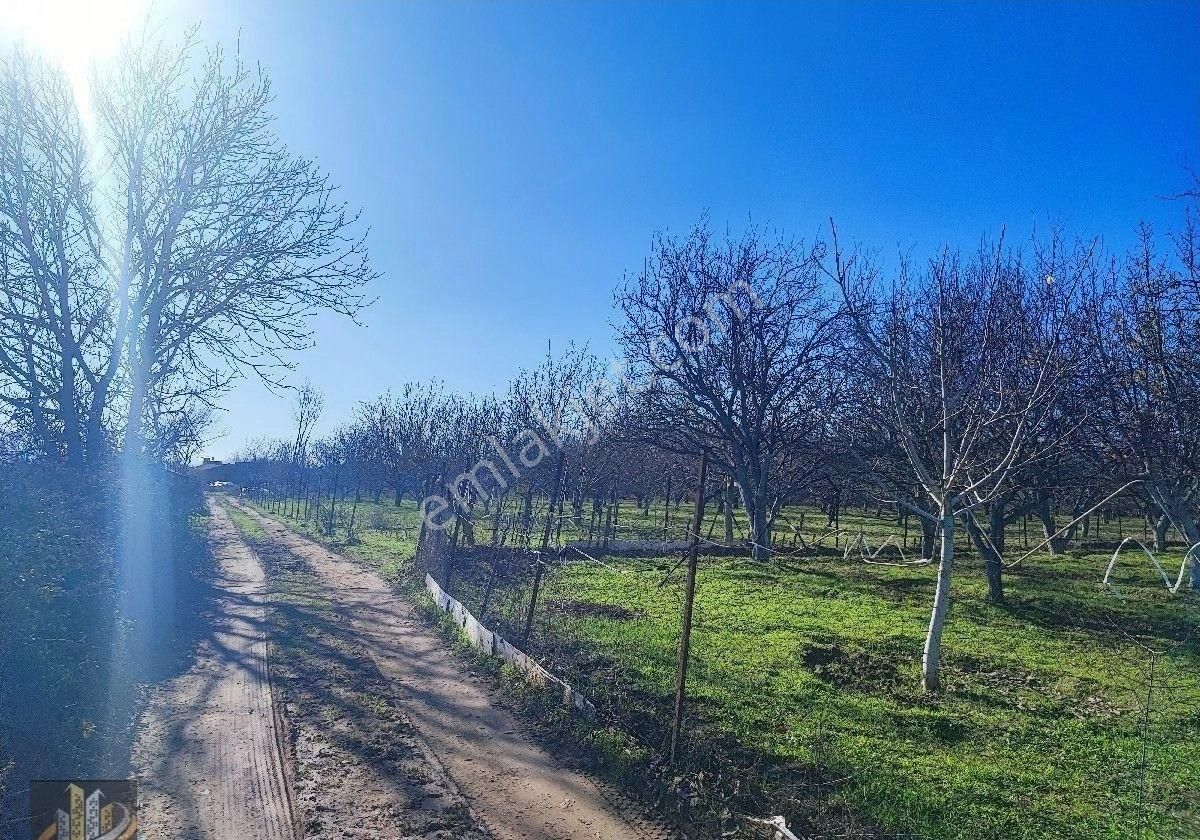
(495,581)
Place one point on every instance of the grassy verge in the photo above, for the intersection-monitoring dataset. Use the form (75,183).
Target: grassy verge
(1069,712)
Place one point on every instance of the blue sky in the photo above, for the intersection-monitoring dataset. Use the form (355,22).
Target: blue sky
(514,159)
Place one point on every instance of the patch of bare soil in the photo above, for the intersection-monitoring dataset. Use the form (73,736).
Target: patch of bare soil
(514,787)
(854,669)
(359,769)
(207,754)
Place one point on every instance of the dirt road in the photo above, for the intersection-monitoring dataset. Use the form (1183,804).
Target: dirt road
(513,786)
(207,758)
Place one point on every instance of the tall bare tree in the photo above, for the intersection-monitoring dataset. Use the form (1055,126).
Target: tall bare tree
(56,308)
(733,344)
(968,354)
(225,241)
(150,265)
(310,402)
(1148,349)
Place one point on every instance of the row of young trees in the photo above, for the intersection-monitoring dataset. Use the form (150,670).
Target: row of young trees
(970,390)
(153,250)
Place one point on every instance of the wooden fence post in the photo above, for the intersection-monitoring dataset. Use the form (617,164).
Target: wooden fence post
(689,597)
(540,563)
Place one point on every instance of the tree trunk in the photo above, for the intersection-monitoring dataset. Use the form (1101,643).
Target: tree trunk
(1176,507)
(527,514)
(69,413)
(730,498)
(95,443)
(137,408)
(1161,527)
(835,508)
(333,496)
(667,510)
(997,520)
(754,500)
(1193,537)
(761,533)
(1058,544)
(353,513)
(931,658)
(928,537)
(993,565)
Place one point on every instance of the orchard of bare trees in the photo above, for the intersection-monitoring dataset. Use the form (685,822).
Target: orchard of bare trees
(1049,381)
(878,541)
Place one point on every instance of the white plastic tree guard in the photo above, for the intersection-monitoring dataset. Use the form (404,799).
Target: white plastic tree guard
(1173,589)
(871,557)
(775,827)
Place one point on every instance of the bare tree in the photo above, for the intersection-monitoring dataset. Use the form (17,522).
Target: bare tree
(337,457)
(547,408)
(967,355)
(732,342)
(226,241)
(1148,349)
(401,429)
(310,402)
(147,269)
(56,308)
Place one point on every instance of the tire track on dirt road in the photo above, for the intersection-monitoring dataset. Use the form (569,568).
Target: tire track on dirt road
(207,755)
(517,789)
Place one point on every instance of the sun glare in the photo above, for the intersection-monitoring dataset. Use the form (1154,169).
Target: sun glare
(75,33)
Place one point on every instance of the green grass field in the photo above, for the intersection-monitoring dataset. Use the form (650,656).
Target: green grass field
(1071,712)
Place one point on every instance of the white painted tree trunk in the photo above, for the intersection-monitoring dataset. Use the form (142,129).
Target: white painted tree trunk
(932,656)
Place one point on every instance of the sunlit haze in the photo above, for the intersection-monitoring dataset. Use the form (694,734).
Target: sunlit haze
(74,33)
